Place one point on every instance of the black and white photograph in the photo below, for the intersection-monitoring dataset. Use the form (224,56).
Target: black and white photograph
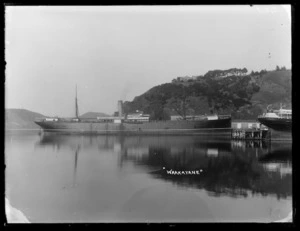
(148,114)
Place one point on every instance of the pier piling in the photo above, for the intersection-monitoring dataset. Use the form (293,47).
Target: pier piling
(250,134)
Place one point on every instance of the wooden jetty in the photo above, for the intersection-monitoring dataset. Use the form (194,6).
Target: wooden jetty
(250,134)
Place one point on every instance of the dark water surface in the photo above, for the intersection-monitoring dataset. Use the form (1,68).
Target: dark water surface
(73,178)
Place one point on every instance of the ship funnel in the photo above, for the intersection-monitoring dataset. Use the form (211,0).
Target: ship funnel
(120,108)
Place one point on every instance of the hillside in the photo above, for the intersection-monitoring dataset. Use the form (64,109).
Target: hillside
(274,87)
(21,119)
(232,91)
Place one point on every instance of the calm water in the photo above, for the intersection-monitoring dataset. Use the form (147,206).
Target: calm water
(65,178)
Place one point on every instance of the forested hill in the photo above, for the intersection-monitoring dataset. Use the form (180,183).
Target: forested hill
(231,91)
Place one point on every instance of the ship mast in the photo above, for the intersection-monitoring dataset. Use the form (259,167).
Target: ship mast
(76,105)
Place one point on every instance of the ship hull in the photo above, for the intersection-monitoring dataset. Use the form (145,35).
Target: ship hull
(283,125)
(220,127)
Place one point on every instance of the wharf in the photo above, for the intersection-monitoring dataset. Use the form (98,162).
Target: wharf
(250,134)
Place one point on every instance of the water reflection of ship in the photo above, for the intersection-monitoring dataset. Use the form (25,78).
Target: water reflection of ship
(229,167)
(72,141)
(278,160)
(119,142)
(57,142)
(75,165)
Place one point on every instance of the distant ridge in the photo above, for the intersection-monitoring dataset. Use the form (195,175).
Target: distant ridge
(93,115)
(24,119)
(21,119)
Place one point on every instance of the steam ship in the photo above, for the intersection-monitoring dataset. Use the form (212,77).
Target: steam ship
(138,123)
(278,120)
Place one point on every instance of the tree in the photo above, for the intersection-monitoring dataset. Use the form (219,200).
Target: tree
(277,68)
(156,111)
(179,106)
(263,72)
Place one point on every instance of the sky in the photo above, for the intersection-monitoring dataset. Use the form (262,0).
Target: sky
(118,52)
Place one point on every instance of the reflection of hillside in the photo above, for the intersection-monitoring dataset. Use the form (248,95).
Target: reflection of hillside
(226,170)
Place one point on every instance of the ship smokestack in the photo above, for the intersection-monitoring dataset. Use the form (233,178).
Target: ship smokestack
(120,108)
